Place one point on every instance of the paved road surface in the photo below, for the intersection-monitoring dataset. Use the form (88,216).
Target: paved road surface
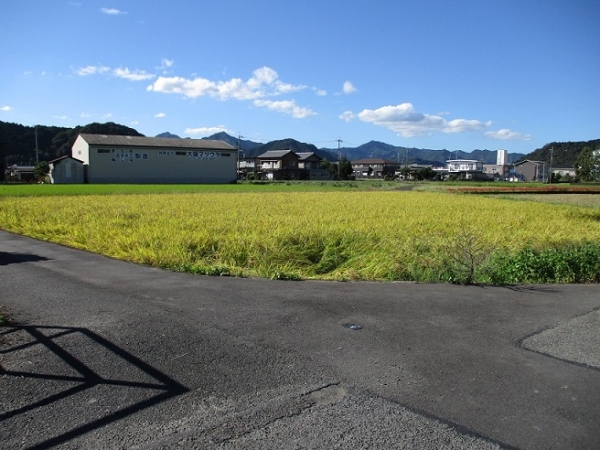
(106,354)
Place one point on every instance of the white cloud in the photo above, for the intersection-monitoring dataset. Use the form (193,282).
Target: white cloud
(107,116)
(112,11)
(405,121)
(85,115)
(134,122)
(264,82)
(6,108)
(349,88)
(462,125)
(347,116)
(138,75)
(92,70)
(160,115)
(125,73)
(286,107)
(60,117)
(508,135)
(165,64)
(320,92)
(206,131)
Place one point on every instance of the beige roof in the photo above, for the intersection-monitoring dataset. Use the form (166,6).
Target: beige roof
(138,141)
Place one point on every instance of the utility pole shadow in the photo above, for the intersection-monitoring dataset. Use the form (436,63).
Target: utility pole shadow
(72,346)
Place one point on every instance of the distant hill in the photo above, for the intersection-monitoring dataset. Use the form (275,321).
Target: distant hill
(236,142)
(412,155)
(166,134)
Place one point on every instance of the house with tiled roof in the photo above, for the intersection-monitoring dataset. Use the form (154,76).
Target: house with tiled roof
(279,165)
(374,168)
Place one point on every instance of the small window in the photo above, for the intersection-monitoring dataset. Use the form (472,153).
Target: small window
(103,150)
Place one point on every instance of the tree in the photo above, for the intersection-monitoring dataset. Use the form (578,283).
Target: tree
(345,169)
(40,170)
(425,173)
(341,171)
(587,165)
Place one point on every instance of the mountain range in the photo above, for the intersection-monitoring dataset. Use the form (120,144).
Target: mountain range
(18,146)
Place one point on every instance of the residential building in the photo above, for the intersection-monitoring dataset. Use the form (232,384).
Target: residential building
(19,173)
(132,159)
(311,167)
(374,168)
(496,171)
(564,171)
(533,171)
(279,165)
(247,166)
(466,169)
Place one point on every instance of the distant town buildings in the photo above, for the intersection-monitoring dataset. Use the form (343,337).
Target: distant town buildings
(97,158)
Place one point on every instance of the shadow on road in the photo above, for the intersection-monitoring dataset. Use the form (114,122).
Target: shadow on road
(79,376)
(16,258)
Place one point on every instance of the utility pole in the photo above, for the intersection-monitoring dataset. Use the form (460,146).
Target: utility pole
(37,151)
(550,167)
(238,150)
(339,141)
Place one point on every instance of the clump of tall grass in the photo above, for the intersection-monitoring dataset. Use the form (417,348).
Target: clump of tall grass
(570,263)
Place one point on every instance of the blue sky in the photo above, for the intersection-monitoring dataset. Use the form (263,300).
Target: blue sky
(484,74)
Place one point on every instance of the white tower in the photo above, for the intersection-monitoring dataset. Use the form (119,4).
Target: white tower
(501,158)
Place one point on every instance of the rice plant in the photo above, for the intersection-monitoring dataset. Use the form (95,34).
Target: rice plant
(337,235)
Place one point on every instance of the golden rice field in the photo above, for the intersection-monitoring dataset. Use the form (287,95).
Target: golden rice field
(346,235)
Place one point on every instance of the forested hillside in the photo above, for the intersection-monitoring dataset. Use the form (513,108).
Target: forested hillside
(563,153)
(17,142)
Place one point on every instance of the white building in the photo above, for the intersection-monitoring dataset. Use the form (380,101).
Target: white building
(132,159)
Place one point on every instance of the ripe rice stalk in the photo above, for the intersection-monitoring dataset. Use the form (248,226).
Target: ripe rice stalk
(374,235)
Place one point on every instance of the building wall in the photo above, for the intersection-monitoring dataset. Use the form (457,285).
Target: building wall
(496,170)
(66,171)
(156,165)
(464,165)
(531,171)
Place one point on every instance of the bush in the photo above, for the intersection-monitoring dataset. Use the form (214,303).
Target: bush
(574,263)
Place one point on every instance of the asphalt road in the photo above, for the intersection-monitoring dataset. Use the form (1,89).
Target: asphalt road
(107,354)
